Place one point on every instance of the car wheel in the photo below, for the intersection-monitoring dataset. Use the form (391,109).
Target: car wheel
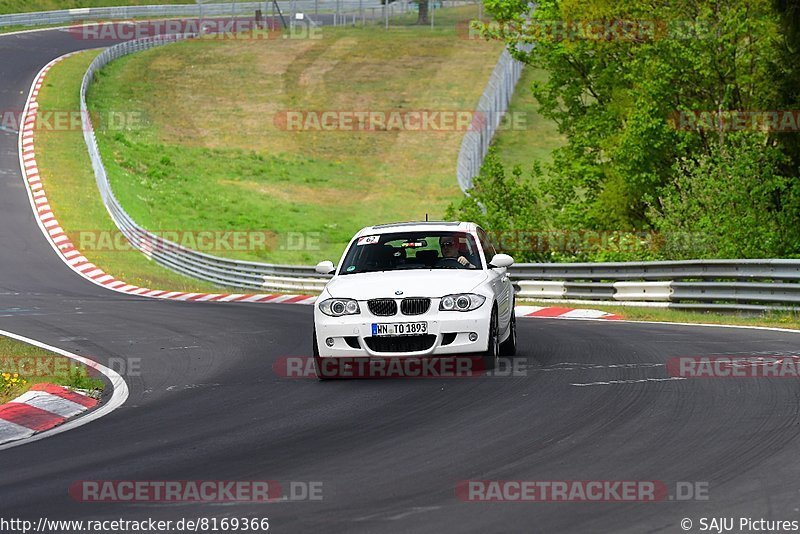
(318,360)
(492,354)
(509,346)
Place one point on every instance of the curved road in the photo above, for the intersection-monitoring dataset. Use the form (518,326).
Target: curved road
(207,405)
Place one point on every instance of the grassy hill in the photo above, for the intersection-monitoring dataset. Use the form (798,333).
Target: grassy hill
(212,152)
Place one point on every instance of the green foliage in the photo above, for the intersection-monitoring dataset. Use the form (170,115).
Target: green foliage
(79,378)
(497,200)
(617,95)
(510,207)
(736,200)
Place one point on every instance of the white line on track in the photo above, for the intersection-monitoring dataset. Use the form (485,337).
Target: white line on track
(641,380)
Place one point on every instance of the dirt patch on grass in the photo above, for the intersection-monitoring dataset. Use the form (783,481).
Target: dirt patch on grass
(291,192)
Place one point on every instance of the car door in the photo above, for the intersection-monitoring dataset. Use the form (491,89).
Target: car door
(499,282)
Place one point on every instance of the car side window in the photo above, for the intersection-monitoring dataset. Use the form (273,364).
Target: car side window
(486,245)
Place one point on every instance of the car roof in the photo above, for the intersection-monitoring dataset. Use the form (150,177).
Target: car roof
(425,226)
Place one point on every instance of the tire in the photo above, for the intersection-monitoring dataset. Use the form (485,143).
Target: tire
(509,346)
(318,360)
(492,354)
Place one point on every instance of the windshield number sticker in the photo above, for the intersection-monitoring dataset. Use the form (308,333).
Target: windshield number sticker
(368,240)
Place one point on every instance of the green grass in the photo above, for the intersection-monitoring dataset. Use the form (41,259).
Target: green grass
(777,319)
(69,181)
(530,137)
(27,6)
(210,156)
(18,370)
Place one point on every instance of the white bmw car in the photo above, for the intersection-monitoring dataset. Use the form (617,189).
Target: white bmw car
(416,289)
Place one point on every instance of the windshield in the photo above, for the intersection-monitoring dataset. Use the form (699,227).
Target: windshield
(412,250)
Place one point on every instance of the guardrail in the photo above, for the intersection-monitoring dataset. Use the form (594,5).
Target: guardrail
(703,284)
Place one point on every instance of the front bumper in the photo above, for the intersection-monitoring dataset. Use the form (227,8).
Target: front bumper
(351,334)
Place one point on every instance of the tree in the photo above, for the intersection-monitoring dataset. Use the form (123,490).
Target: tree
(422,18)
(786,72)
(627,83)
(732,203)
(504,204)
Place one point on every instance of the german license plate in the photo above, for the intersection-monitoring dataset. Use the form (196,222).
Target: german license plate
(399,329)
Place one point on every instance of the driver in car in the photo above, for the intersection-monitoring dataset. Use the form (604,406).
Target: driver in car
(450,249)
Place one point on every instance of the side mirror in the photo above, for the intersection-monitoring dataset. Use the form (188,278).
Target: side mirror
(325,267)
(501,261)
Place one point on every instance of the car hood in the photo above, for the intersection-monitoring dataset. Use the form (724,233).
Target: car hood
(417,283)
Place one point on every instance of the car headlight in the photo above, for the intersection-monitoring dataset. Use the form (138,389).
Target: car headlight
(461,302)
(339,307)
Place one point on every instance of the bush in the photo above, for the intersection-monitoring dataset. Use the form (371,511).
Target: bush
(501,203)
(736,201)
(516,213)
